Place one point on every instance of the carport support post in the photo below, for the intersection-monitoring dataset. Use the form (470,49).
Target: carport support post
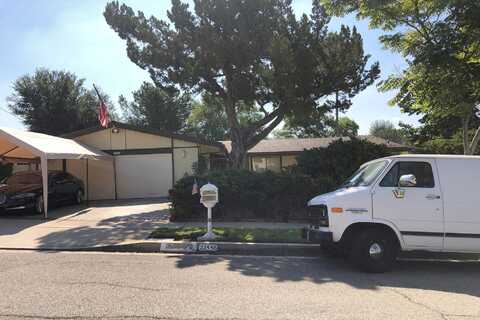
(44,164)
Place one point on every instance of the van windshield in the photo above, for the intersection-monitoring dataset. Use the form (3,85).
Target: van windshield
(365,175)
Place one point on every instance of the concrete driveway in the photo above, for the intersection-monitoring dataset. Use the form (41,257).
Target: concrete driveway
(95,224)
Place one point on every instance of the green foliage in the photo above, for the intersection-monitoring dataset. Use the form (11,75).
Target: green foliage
(55,102)
(443,146)
(157,108)
(257,235)
(208,118)
(386,129)
(440,41)
(252,53)
(339,160)
(247,195)
(316,126)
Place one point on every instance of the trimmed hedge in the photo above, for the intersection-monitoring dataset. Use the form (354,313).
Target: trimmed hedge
(339,160)
(275,196)
(247,195)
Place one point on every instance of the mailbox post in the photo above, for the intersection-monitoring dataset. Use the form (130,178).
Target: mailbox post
(209,198)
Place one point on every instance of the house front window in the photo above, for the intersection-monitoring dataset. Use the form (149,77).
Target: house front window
(263,163)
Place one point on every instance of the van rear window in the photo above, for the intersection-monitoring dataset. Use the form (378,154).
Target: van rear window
(421,170)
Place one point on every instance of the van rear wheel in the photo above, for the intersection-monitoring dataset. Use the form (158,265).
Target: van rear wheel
(373,251)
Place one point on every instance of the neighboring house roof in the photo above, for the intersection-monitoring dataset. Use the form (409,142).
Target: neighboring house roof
(296,145)
(148,131)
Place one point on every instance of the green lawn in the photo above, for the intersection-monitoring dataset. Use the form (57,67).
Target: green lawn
(233,234)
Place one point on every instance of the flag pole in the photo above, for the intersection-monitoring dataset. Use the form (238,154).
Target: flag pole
(98,94)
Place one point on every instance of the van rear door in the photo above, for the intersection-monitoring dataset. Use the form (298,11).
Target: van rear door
(460,178)
(417,210)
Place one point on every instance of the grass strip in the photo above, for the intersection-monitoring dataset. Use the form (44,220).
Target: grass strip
(259,235)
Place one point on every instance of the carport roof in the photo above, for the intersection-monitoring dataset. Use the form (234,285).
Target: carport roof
(19,144)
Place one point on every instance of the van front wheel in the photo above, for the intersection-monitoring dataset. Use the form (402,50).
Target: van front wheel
(374,251)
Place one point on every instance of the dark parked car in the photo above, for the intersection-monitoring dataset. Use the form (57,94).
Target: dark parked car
(24,190)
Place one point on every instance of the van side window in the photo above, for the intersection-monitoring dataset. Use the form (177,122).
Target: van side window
(421,170)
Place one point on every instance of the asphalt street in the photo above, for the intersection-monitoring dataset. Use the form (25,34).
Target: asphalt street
(57,285)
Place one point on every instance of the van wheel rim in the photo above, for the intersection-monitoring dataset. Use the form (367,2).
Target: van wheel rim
(375,251)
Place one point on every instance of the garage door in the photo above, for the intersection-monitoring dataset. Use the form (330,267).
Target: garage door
(143,175)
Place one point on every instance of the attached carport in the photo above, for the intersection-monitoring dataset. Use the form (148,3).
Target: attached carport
(17,145)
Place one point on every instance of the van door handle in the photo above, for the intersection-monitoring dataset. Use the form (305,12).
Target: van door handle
(432,197)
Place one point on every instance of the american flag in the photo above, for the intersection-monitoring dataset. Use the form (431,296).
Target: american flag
(195,187)
(103,111)
(103,115)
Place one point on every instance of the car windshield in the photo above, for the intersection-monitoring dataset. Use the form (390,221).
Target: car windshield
(365,175)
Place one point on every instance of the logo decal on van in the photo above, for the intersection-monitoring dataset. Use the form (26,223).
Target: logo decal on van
(399,193)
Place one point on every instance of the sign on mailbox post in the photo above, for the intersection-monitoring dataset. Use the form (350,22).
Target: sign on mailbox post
(209,198)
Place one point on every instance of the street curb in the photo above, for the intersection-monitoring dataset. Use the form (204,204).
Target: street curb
(233,248)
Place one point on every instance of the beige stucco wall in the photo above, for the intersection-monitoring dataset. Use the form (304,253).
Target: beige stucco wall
(124,139)
(184,158)
(100,184)
(55,165)
(182,143)
(99,139)
(140,140)
(101,173)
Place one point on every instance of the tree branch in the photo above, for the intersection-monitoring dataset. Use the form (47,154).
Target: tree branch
(265,120)
(251,142)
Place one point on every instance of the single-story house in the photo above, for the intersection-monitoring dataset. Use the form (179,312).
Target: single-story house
(278,154)
(146,162)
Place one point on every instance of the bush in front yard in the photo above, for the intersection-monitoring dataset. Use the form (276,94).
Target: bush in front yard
(249,195)
(339,160)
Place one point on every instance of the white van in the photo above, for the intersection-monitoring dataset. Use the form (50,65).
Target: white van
(405,202)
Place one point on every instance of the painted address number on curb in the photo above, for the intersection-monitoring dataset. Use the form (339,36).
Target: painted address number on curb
(188,247)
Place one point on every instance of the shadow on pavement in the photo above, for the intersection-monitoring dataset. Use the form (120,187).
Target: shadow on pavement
(106,232)
(447,276)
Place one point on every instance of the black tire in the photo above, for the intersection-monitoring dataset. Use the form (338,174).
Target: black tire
(374,251)
(78,197)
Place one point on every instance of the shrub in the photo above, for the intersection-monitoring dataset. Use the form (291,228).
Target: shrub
(249,195)
(339,160)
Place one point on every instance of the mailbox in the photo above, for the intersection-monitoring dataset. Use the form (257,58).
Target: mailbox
(209,198)
(209,195)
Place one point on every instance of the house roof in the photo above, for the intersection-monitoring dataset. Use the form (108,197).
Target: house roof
(156,132)
(294,145)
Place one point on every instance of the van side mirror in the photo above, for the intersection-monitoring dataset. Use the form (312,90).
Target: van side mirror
(407,180)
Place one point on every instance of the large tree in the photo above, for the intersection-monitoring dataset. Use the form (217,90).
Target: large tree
(54,102)
(157,108)
(209,119)
(386,129)
(318,125)
(441,42)
(250,53)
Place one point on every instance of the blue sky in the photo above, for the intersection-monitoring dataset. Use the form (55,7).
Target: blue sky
(73,36)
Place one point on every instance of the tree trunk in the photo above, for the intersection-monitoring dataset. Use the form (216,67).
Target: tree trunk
(337,126)
(238,156)
(466,144)
(475,140)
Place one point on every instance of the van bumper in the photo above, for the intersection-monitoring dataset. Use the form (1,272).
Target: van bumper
(318,236)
